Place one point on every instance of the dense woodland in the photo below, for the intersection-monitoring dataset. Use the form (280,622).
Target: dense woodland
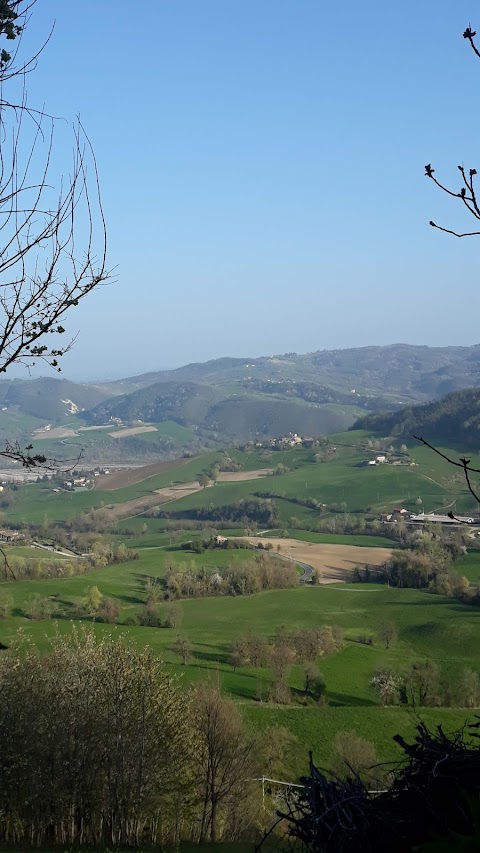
(455,417)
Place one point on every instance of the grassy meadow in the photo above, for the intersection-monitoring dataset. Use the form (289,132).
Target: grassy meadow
(428,625)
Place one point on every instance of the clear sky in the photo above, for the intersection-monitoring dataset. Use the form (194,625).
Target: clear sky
(262,172)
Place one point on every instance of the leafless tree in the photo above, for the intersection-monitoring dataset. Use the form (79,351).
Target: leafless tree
(52,227)
(467,192)
(226,759)
(468,195)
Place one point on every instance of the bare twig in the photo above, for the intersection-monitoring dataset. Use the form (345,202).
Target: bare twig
(463,463)
(52,229)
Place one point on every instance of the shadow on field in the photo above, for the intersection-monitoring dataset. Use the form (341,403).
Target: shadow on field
(216,656)
(343,699)
(131,599)
(427,602)
(465,608)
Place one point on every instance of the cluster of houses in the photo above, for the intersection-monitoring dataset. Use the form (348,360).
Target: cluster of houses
(76,483)
(383,459)
(82,482)
(292,439)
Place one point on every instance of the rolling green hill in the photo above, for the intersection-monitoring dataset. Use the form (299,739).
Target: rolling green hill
(237,399)
(396,372)
(48,398)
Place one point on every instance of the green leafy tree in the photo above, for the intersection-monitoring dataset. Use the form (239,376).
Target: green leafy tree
(354,757)
(93,599)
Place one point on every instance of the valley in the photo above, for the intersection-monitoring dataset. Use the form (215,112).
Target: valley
(226,401)
(318,504)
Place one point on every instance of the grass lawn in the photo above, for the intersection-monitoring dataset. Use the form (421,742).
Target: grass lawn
(469,566)
(428,626)
(315,728)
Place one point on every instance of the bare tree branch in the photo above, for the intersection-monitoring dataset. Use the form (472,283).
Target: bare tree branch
(52,228)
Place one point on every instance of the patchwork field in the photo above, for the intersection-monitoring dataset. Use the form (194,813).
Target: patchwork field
(132,476)
(334,562)
(55,432)
(124,433)
(183,490)
(243,476)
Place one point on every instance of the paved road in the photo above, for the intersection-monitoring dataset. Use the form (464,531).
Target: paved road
(307,572)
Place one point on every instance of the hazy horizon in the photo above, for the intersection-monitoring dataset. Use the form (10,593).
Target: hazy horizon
(18,372)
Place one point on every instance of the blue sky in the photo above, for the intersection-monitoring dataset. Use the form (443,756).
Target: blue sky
(261,164)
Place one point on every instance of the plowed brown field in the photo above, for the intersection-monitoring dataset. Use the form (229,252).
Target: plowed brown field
(334,562)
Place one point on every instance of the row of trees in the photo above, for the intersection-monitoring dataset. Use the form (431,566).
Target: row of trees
(423,683)
(262,512)
(288,647)
(245,577)
(32,568)
(98,746)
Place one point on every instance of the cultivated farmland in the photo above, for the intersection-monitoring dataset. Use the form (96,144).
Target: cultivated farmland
(335,562)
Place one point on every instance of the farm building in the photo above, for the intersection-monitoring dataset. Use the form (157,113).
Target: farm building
(440,519)
(10,535)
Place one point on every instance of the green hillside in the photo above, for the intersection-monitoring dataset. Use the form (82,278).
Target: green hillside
(397,372)
(455,418)
(237,399)
(427,625)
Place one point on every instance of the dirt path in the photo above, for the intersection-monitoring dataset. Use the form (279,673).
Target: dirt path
(335,562)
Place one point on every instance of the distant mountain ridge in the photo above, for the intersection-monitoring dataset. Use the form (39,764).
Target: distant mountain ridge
(227,400)
(408,371)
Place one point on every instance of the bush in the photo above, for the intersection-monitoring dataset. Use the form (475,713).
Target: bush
(365,640)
